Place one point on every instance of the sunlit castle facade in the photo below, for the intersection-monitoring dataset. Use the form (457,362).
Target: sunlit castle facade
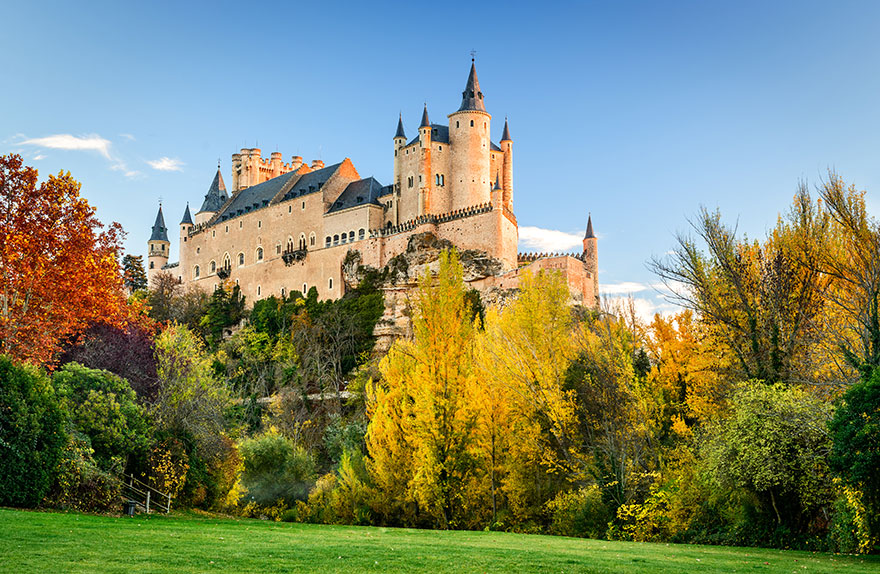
(288,226)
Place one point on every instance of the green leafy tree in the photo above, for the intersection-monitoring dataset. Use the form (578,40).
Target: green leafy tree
(774,446)
(855,456)
(275,469)
(32,435)
(104,408)
(225,309)
(133,275)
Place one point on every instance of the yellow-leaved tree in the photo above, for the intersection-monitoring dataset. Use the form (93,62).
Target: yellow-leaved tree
(423,413)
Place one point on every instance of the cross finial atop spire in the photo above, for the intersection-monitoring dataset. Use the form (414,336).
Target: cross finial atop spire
(473,56)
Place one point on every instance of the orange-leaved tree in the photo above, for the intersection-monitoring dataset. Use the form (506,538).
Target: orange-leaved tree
(58,266)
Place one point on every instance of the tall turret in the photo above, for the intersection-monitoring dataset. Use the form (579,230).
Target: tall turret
(425,203)
(507,167)
(186,224)
(591,257)
(158,247)
(214,199)
(399,142)
(469,130)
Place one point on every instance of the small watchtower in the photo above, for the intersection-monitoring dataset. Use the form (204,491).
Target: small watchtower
(158,247)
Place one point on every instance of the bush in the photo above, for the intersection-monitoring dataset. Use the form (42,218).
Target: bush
(80,484)
(32,434)
(579,513)
(105,409)
(275,470)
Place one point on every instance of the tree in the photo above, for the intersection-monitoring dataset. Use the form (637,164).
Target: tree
(104,408)
(425,403)
(760,300)
(855,455)
(32,436)
(58,266)
(774,445)
(133,275)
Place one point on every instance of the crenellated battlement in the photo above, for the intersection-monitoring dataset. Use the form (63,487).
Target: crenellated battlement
(431,218)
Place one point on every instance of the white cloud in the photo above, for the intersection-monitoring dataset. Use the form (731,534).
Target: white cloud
(624,288)
(166,164)
(547,240)
(128,137)
(39,156)
(71,142)
(645,309)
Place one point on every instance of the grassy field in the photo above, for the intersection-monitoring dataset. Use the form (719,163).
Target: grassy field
(52,542)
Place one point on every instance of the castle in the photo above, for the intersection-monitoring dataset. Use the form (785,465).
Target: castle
(289,226)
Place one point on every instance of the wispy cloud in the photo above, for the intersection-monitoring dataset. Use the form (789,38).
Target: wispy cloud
(128,137)
(39,156)
(72,142)
(624,288)
(537,239)
(166,164)
(644,308)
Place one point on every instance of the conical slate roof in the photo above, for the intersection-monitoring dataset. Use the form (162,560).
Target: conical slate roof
(589,234)
(506,135)
(187,218)
(160,233)
(426,123)
(497,180)
(400,133)
(472,97)
(216,196)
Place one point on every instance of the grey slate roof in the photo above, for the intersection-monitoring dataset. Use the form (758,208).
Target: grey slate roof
(293,183)
(589,234)
(216,196)
(506,135)
(425,121)
(494,146)
(361,192)
(400,133)
(439,133)
(187,218)
(497,180)
(472,97)
(160,232)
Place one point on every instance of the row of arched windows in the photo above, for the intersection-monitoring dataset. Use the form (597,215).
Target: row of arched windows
(345,238)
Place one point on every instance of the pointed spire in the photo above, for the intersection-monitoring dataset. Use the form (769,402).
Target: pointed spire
(506,135)
(497,180)
(400,133)
(472,97)
(589,234)
(426,123)
(216,196)
(187,218)
(160,233)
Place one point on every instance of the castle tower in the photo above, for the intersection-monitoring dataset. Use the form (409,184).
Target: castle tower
(159,246)
(469,130)
(507,167)
(591,259)
(186,225)
(425,187)
(214,199)
(399,142)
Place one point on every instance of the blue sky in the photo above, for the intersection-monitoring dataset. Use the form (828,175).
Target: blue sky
(638,112)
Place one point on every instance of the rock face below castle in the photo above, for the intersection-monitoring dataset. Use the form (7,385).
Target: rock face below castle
(293,226)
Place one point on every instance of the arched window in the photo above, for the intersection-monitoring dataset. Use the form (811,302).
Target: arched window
(259,253)
(213,266)
(240,259)
(227,261)
(330,283)
(290,244)
(302,240)
(335,240)
(327,241)
(351,236)
(278,248)
(152,265)
(196,272)
(472,123)
(361,233)
(312,239)
(344,238)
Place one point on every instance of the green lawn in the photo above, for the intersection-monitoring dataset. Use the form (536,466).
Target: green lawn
(53,542)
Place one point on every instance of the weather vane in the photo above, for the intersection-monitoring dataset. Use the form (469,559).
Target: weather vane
(473,55)
(160,201)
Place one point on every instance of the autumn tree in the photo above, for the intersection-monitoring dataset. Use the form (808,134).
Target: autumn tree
(424,406)
(58,266)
